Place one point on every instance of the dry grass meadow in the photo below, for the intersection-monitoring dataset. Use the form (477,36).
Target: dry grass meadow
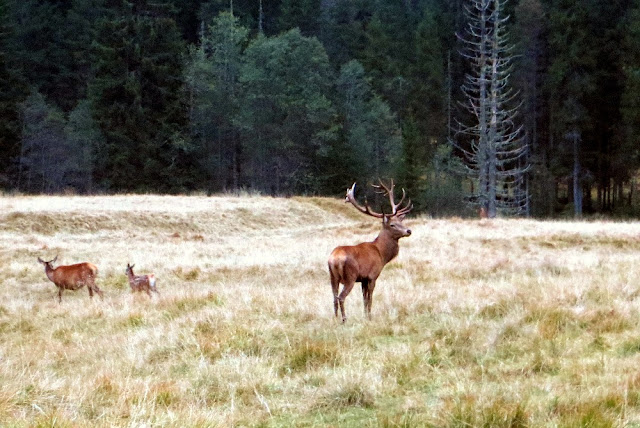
(476,323)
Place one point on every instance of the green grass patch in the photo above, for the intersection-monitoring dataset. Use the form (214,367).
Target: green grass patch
(311,353)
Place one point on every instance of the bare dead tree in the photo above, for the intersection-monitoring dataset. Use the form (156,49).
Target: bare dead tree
(495,156)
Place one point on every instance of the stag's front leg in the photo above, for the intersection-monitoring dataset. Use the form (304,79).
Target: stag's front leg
(365,293)
(59,294)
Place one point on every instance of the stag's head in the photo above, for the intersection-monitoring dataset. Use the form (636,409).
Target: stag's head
(391,223)
(49,263)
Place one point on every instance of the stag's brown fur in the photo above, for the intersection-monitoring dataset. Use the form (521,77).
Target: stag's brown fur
(363,262)
(145,283)
(72,277)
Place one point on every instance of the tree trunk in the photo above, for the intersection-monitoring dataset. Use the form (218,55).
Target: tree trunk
(577,188)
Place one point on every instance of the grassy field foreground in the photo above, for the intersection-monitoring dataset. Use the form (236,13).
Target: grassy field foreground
(476,323)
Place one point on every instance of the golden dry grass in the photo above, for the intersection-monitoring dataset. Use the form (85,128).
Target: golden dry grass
(476,323)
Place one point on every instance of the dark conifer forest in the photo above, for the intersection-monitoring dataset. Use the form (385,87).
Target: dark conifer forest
(304,97)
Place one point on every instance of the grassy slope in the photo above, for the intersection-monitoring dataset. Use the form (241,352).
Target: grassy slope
(503,323)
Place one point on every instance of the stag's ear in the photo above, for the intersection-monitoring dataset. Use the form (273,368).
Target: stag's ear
(385,219)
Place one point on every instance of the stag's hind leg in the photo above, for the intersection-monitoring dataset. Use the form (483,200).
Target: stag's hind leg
(335,288)
(371,285)
(348,286)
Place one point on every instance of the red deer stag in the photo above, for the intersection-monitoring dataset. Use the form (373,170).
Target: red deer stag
(72,277)
(141,282)
(363,262)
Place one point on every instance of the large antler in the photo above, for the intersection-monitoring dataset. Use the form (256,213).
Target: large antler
(366,209)
(382,190)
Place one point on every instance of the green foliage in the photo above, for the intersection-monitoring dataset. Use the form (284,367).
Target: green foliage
(11,88)
(370,129)
(302,14)
(139,102)
(213,73)
(42,153)
(286,115)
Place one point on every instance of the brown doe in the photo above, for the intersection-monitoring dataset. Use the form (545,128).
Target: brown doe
(363,262)
(141,282)
(72,277)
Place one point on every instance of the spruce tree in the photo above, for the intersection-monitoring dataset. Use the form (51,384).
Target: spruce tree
(494,152)
(139,100)
(213,73)
(11,93)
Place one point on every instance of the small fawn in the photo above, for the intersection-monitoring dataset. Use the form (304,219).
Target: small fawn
(141,282)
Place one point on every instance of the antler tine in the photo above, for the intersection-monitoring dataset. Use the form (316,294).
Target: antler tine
(390,193)
(383,189)
(366,209)
(406,209)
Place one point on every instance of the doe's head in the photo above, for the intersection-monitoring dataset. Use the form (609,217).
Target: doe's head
(49,263)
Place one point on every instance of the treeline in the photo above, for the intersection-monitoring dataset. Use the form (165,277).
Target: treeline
(307,96)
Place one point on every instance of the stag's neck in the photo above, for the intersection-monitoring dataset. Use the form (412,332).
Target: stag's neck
(387,245)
